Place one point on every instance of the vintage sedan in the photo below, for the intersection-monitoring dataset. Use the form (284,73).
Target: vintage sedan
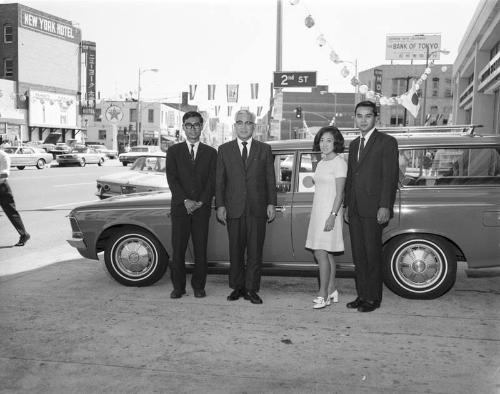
(24,156)
(81,156)
(439,219)
(108,153)
(135,152)
(146,174)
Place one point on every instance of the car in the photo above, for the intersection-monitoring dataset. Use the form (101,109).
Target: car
(24,156)
(439,220)
(135,152)
(108,153)
(60,149)
(82,156)
(146,174)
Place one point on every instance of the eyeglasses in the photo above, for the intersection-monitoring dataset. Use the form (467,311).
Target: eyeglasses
(240,123)
(190,126)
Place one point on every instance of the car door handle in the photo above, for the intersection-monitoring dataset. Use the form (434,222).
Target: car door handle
(280,209)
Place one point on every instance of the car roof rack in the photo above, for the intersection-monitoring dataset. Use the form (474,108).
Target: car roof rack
(415,130)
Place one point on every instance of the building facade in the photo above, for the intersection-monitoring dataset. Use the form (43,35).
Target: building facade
(392,80)
(476,71)
(40,55)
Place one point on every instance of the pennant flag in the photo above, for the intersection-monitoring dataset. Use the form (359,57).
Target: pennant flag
(213,123)
(211,91)
(232,93)
(254,91)
(411,101)
(259,110)
(192,92)
(229,110)
(217,109)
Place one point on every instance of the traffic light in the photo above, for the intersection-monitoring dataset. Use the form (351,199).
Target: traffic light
(298,112)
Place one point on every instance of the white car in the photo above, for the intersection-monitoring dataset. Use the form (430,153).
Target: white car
(136,151)
(109,153)
(147,174)
(23,156)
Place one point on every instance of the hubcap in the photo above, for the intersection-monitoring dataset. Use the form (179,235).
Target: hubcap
(134,257)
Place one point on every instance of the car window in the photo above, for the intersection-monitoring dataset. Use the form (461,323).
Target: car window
(137,149)
(81,150)
(449,166)
(283,169)
(10,150)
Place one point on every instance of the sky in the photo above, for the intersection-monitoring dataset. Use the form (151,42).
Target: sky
(234,41)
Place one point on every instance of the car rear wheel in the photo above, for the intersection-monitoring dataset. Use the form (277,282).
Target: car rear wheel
(21,167)
(100,162)
(134,257)
(82,162)
(40,164)
(419,266)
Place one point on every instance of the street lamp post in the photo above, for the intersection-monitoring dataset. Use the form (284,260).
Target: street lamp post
(140,138)
(427,56)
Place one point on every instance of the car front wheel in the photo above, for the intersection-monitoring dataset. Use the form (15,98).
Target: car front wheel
(134,257)
(100,162)
(40,164)
(419,266)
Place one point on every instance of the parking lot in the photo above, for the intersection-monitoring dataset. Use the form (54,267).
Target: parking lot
(69,327)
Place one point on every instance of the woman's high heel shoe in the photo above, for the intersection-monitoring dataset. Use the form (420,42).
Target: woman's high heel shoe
(320,302)
(334,297)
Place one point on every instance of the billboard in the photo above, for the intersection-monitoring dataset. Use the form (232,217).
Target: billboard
(88,77)
(412,47)
(54,110)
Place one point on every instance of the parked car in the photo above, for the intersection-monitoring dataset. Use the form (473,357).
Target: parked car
(146,174)
(439,219)
(108,153)
(135,152)
(23,156)
(60,149)
(81,156)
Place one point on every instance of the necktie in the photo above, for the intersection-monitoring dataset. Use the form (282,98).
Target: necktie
(361,147)
(244,154)
(192,152)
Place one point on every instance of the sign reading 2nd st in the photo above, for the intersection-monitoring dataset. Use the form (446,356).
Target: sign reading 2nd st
(294,79)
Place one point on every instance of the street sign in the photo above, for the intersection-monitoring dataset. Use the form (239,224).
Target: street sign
(294,79)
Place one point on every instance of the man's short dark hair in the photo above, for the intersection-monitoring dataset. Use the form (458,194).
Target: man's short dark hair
(192,114)
(369,104)
(338,139)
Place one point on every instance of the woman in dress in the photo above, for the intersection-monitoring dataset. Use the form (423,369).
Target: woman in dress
(324,236)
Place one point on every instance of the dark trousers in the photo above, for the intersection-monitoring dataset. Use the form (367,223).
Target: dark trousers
(366,245)
(9,207)
(246,233)
(183,227)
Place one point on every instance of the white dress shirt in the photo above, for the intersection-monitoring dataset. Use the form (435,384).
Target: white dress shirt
(4,165)
(240,145)
(195,147)
(366,137)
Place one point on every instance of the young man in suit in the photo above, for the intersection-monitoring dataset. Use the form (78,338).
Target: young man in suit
(245,196)
(190,172)
(370,192)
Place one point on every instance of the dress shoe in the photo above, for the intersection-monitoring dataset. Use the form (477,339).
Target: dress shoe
(177,293)
(199,293)
(334,297)
(368,306)
(320,302)
(354,304)
(235,295)
(23,239)
(253,297)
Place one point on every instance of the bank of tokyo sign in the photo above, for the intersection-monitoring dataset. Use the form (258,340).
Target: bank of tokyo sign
(412,47)
(49,26)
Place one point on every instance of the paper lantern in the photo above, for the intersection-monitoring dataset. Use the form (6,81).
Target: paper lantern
(354,81)
(444,68)
(334,57)
(370,94)
(424,77)
(417,86)
(22,97)
(309,21)
(383,100)
(321,40)
(294,2)
(345,72)
(363,89)
(427,71)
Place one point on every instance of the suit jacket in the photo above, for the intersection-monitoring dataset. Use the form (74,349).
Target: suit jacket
(239,187)
(191,180)
(373,180)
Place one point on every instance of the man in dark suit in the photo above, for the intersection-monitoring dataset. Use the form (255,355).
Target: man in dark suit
(245,196)
(190,172)
(370,192)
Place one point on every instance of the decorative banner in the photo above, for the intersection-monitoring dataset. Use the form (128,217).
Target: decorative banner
(259,110)
(211,91)
(192,92)
(411,101)
(232,93)
(229,110)
(309,21)
(216,110)
(254,90)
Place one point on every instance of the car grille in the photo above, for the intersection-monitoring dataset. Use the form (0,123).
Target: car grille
(128,189)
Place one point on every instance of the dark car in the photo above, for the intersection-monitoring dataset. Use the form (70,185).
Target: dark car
(439,219)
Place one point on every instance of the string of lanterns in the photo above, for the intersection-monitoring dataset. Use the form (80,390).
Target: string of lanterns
(321,41)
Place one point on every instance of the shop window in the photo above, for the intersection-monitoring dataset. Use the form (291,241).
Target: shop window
(133,114)
(8,34)
(151,115)
(8,67)
(102,134)
(97,115)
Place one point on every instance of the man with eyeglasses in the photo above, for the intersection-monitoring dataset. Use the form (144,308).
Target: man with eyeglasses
(190,168)
(245,196)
